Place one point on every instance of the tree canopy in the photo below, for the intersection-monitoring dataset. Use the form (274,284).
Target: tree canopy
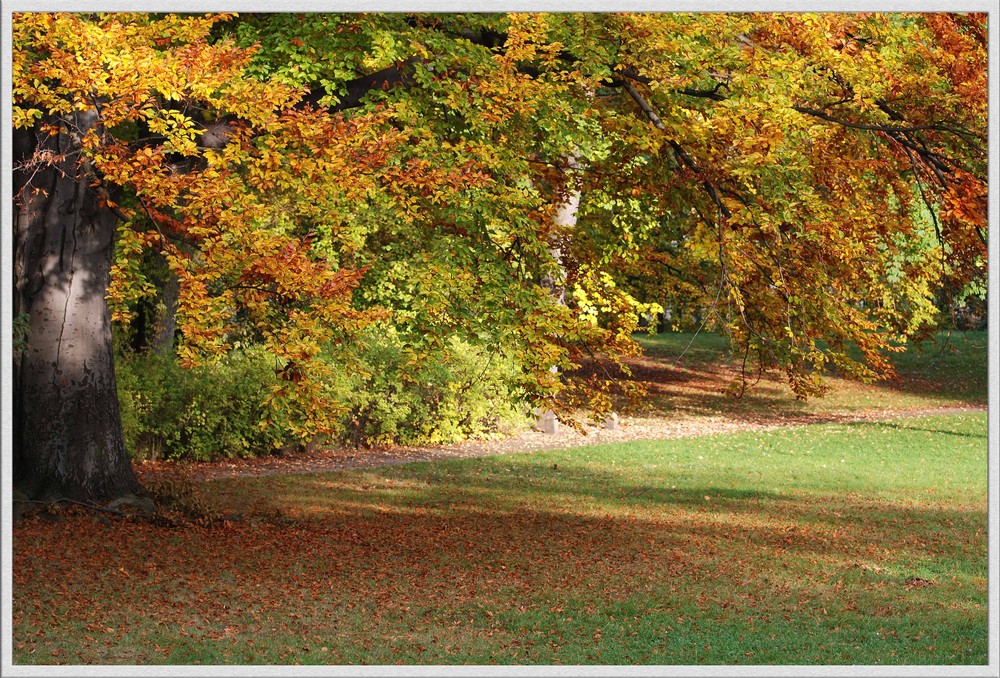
(809,183)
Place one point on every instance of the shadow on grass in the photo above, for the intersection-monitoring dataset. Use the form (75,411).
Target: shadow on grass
(585,511)
(942,431)
(944,370)
(698,387)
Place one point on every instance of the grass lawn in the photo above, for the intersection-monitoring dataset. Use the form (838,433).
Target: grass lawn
(829,544)
(688,374)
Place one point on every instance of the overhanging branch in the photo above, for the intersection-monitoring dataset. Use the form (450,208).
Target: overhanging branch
(889,129)
(681,153)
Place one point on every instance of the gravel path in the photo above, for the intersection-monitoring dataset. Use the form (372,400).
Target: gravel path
(630,428)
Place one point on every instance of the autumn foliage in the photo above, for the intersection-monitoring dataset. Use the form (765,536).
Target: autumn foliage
(811,183)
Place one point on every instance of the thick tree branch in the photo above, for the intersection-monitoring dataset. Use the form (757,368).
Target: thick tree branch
(974,141)
(626,74)
(906,136)
(709,187)
(643,104)
(712,94)
(400,74)
(681,153)
(889,129)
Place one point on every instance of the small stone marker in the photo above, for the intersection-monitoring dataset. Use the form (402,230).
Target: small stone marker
(611,422)
(548,423)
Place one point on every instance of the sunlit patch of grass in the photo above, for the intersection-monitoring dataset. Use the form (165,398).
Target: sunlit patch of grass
(832,544)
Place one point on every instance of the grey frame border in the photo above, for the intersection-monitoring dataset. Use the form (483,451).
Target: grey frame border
(6,332)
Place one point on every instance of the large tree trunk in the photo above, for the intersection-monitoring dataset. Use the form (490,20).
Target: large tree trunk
(68,439)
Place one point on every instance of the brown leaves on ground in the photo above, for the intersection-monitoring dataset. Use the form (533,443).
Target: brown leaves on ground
(350,570)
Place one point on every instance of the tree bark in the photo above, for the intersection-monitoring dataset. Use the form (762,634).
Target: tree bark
(68,440)
(565,219)
(165,325)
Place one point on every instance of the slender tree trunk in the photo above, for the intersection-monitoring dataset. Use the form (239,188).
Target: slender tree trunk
(555,283)
(67,432)
(565,219)
(165,325)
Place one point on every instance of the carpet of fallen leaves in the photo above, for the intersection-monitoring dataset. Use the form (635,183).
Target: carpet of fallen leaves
(349,578)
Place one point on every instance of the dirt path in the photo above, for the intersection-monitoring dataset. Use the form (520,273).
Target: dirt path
(630,428)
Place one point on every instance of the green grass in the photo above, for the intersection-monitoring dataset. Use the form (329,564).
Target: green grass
(690,373)
(827,544)
(952,365)
(701,347)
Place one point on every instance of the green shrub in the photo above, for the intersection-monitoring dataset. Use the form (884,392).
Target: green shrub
(209,412)
(395,396)
(404,396)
